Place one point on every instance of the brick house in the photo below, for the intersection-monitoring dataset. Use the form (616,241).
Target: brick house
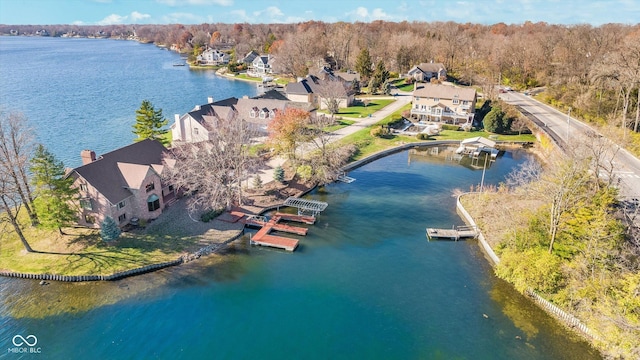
(124,184)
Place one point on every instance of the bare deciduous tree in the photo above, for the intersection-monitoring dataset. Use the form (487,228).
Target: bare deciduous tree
(16,147)
(10,205)
(211,171)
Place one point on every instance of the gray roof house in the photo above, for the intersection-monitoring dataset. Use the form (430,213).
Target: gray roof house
(197,124)
(309,89)
(124,184)
(427,71)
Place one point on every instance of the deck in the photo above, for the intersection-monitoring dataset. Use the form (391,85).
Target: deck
(263,238)
(455,233)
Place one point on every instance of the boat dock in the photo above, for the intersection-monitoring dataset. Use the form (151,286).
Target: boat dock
(263,238)
(455,233)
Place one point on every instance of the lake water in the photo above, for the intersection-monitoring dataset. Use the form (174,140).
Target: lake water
(364,284)
(83,93)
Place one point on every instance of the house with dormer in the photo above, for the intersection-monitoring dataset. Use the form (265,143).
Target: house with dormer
(444,103)
(261,65)
(125,184)
(213,57)
(198,124)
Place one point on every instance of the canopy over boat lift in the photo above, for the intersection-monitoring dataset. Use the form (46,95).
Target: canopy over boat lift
(306,207)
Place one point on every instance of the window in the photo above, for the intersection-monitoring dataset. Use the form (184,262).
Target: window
(89,219)
(455,100)
(153,202)
(465,102)
(83,187)
(195,131)
(121,204)
(122,217)
(171,188)
(150,186)
(86,204)
(263,114)
(436,99)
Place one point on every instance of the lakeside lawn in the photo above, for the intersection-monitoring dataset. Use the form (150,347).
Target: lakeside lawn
(83,252)
(339,125)
(368,144)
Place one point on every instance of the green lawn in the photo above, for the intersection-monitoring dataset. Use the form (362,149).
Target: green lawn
(368,144)
(359,110)
(82,251)
(244,76)
(402,85)
(339,125)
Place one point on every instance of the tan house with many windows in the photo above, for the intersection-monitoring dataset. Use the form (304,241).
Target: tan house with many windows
(125,184)
(444,103)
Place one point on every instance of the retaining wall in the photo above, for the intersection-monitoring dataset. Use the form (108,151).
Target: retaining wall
(550,308)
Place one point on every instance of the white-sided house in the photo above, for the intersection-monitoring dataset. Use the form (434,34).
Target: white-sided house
(213,57)
(261,66)
(444,103)
(426,71)
(125,184)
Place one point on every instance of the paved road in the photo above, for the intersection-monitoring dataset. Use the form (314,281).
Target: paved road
(565,130)
(401,99)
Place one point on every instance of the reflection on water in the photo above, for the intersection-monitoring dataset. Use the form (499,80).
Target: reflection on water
(364,283)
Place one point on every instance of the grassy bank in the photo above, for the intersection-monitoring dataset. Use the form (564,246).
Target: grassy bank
(82,251)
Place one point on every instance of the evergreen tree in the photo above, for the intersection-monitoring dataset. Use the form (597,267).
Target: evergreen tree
(109,230)
(363,64)
(55,195)
(380,75)
(257,182)
(494,121)
(149,123)
(278,174)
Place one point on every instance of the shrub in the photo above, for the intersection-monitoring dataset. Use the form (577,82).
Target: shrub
(210,215)
(422,136)
(257,182)
(278,174)
(305,172)
(109,230)
(377,131)
(450,127)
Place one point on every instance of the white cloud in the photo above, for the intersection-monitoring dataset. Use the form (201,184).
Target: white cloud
(363,14)
(119,19)
(135,16)
(196,2)
(112,19)
(271,11)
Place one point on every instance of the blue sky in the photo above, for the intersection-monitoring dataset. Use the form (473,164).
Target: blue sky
(97,12)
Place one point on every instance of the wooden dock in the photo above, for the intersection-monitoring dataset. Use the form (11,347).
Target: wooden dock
(263,238)
(455,233)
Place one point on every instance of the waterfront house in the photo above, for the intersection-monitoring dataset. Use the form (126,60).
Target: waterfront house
(444,103)
(198,124)
(125,184)
(213,57)
(248,59)
(261,66)
(426,71)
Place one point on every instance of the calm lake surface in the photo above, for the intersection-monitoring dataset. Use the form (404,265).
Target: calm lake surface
(83,93)
(364,284)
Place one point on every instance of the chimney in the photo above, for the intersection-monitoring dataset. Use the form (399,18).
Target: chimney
(176,117)
(88,156)
(210,100)
(245,96)
(197,108)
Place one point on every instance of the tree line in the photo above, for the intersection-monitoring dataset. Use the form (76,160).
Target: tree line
(594,70)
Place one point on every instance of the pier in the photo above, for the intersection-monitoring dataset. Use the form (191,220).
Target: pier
(455,233)
(263,238)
